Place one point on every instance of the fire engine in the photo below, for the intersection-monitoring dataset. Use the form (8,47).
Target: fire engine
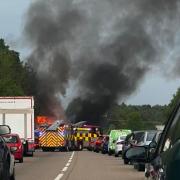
(56,136)
(83,134)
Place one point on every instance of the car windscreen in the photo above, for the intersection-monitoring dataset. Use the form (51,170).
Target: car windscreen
(10,139)
(150,136)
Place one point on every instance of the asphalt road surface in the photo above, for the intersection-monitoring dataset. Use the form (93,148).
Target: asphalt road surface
(83,165)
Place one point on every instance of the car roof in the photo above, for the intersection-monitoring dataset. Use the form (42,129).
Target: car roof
(12,134)
(135,132)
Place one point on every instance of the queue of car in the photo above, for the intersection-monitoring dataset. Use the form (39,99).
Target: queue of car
(156,152)
(162,156)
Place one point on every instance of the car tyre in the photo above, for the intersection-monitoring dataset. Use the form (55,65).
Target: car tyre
(140,167)
(31,154)
(13,175)
(21,160)
(116,155)
(126,161)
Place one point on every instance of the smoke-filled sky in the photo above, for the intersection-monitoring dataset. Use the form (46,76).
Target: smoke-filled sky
(109,49)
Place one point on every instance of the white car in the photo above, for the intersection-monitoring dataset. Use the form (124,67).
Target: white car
(119,145)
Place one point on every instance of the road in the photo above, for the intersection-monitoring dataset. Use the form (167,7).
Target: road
(83,165)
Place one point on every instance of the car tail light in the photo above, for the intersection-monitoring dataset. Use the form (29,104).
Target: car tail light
(18,146)
(31,145)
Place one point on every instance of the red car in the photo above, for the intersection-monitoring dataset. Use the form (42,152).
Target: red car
(13,140)
(91,144)
(98,143)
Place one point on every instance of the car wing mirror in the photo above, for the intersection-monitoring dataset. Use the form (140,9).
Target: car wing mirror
(4,129)
(137,154)
(152,145)
(152,149)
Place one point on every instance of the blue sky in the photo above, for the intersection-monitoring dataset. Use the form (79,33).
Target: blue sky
(155,89)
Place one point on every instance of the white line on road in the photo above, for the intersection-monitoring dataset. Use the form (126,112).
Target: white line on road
(65,168)
(68,164)
(59,177)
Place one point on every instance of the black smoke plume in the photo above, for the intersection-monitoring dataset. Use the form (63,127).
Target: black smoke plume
(106,46)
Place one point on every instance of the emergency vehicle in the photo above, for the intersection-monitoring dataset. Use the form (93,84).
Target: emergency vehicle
(41,124)
(56,136)
(83,135)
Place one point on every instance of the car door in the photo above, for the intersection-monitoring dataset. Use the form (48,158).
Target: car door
(2,155)
(167,162)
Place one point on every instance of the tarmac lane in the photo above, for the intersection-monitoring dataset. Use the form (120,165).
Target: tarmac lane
(79,165)
(96,166)
(42,166)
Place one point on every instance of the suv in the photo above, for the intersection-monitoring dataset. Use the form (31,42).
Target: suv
(6,158)
(163,156)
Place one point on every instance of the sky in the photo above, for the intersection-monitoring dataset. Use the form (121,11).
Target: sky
(154,89)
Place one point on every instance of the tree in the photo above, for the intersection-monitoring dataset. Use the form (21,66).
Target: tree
(173,103)
(11,72)
(135,121)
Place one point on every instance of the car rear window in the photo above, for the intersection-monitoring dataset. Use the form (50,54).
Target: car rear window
(122,137)
(10,139)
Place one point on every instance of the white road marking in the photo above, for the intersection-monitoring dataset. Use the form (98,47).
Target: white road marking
(65,168)
(68,164)
(59,177)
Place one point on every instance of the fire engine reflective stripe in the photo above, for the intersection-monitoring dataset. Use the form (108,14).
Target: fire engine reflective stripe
(52,139)
(83,137)
(86,138)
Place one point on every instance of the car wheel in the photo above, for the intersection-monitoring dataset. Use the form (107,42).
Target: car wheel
(140,167)
(116,155)
(126,161)
(13,175)
(31,154)
(21,160)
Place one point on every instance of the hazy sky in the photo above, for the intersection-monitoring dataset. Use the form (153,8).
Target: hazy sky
(155,89)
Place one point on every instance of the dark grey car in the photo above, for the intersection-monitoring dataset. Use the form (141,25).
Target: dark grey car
(6,158)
